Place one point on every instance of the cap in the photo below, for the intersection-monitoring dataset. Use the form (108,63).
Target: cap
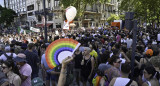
(37,82)
(149,52)
(102,67)
(20,58)
(7,48)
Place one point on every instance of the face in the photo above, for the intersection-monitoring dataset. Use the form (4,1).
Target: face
(86,52)
(19,64)
(117,63)
(5,69)
(146,75)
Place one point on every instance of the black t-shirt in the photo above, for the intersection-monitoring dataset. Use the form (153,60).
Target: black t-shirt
(78,59)
(32,60)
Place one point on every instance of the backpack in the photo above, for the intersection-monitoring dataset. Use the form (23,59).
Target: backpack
(96,80)
(9,57)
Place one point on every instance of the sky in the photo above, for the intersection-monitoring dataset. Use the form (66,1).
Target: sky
(1,2)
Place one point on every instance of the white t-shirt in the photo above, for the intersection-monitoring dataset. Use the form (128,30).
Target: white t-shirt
(121,81)
(129,42)
(4,58)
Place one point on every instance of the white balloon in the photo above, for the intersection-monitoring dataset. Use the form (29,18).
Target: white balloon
(70,13)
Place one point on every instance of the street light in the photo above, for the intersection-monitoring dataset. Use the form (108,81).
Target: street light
(38,3)
(45,17)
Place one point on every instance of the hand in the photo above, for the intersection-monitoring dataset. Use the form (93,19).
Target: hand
(89,77)
(66,61)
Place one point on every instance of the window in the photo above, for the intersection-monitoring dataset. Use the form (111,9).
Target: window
(49,3)
(56,15)
(56,3)
(50,18)
(39,18)
(31,7)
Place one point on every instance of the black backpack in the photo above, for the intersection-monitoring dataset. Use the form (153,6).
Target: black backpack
(9,57)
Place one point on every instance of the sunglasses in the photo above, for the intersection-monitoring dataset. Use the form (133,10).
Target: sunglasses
(4,67)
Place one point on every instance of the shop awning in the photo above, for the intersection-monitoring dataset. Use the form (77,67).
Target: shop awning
(41,25)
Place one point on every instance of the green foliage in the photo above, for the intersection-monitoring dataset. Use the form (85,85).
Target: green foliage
(7,16)
(144,9)
(112,18)
(80,4)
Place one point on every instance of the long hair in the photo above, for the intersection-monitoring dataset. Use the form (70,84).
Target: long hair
(10,63)
(151,70)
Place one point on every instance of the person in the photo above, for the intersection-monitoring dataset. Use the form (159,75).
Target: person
(32,60)
(24,69)
(129,41)
(155,60)
(1,49)
(114,71)
(87,66)
(62,77)
(101,75)
(50,75)
(123,80)
(147,56)
(10,69)
(150,76)
(3,79)
(77,59)
(8,54)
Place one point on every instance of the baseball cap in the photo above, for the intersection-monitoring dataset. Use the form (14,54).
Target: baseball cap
(37,82)
(102,67)
(20,58)
(149,52)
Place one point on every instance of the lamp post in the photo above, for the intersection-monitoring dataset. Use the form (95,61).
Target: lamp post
(38,3)
(45,18)
(0,17)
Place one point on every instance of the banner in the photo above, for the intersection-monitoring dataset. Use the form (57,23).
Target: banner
(34,29)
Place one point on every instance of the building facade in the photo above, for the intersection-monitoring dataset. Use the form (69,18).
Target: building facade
(30,13)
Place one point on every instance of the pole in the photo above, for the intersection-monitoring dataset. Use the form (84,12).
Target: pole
(134,47)
(45,18)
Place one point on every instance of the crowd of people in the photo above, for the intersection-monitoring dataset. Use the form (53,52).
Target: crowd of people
(103,59)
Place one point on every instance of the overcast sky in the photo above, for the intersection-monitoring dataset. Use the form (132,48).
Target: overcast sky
(1,2)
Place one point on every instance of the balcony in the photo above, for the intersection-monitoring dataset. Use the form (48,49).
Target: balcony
(92,12)
(57,9)
(109,4)
(103,19)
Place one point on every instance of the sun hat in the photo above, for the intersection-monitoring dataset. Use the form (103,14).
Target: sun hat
(20,58)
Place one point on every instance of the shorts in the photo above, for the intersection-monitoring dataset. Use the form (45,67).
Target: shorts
(50,76)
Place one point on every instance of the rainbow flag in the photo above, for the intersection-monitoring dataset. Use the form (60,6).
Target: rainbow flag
(96,80)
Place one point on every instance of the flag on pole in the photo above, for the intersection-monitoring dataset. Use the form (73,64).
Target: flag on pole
(20,30)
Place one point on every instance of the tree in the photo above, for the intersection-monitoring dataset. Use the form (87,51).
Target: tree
(112,18)
(7,16)
(147,10)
